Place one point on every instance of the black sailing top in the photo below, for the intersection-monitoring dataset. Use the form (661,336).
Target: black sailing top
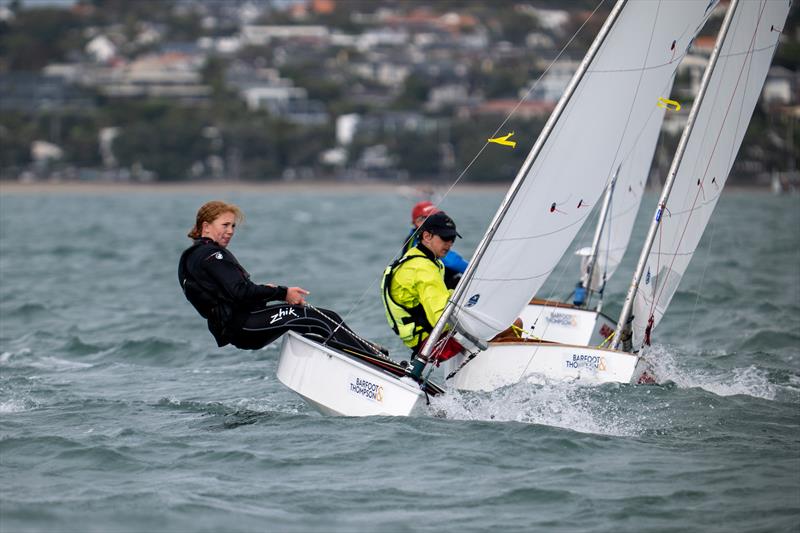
(220,288)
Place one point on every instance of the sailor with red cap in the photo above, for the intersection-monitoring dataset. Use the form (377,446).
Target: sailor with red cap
(454,264)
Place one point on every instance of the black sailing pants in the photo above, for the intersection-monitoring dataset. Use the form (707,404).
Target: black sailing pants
(263,326)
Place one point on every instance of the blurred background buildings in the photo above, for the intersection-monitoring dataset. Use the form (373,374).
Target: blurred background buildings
(259,90)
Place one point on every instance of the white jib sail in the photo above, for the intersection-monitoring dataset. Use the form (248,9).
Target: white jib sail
(598,129)
(627,197)
(733,91)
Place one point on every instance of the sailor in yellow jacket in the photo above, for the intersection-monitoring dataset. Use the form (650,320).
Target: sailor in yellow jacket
(413,288)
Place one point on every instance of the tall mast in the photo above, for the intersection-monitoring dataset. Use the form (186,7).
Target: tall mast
(518,181)
(586,279)
(627,308)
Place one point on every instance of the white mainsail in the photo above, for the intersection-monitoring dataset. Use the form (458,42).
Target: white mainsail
(734,88)
(568,169)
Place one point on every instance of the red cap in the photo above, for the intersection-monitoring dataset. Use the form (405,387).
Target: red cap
(423,209)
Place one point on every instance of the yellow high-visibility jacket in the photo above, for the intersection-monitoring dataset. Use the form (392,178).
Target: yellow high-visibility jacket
(415,296)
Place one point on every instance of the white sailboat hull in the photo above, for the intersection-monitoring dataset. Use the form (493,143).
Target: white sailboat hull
(563,323)
(335,384)
(506,363)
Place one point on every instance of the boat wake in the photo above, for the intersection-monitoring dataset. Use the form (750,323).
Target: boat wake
(16,405)
(614,409)
(600,410)
(748,381)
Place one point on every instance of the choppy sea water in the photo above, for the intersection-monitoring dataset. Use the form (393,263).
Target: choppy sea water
(119,413)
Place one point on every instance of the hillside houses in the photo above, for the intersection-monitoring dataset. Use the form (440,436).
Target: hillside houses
(393,69)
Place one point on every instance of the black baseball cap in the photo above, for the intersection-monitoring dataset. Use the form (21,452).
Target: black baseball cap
(440,224)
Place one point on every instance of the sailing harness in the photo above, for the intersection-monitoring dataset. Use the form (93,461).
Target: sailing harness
(409,323)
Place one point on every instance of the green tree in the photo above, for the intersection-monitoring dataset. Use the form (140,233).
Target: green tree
(167,143)
(514,26)
(17,132)
(415,92)
(37,37)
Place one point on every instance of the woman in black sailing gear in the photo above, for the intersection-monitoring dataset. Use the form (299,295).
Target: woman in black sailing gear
(237,310)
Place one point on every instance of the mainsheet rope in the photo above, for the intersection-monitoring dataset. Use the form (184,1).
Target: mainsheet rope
(375,347)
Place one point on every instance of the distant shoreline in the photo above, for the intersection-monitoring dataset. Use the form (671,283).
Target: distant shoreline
(417,189)
(13,187)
